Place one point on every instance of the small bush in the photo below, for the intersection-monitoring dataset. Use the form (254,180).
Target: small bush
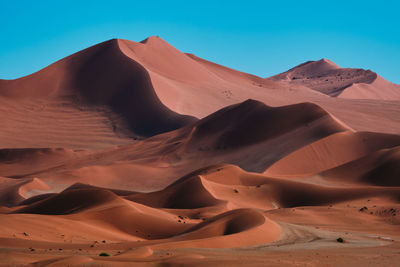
(104,254)
(340,240)
(363,209)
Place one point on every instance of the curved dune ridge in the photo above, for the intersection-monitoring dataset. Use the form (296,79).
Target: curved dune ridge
(187,194)
(377,89)
(233,218)
(135,153)
(69,201)
(101,75)
(187,84)
(378,168)
(330,152)
(328,78)
(98,204)
(238,134)
(14,191)
(251,122)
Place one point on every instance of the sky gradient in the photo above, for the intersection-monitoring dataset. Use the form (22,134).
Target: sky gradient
(259,37)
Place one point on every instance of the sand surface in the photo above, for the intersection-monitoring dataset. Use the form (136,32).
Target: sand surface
(132,153)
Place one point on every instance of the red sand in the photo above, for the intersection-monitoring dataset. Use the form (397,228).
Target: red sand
(154,156)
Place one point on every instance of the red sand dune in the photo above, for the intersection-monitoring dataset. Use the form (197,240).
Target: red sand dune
(328,78)
(378,168)
(330,152)
(100,76)
(13,191)
(154,156)
(155,79)
(238,134)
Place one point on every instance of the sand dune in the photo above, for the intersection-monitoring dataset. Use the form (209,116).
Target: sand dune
(377,89)
(191,225)
(155,79)
(210,187)
(14,191)
(330,152)
(239,134)
(101,76)
(135,153)
(326,77)
(252,122)
(176,217)
(378,168)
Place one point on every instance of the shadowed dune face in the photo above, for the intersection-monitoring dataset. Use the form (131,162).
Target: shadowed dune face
(242,134)
(378,168)
(236,221)
(330,152)
(97,157)
(187,194)
(102,75)
(251,122)
(109,77)
(70,201)
(387,172)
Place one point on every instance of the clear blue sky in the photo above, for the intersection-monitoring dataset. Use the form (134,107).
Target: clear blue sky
(259,37)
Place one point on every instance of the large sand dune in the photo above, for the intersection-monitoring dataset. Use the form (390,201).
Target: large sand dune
(326,77)
(151,156)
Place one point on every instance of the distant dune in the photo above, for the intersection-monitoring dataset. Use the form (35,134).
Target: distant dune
(326,77)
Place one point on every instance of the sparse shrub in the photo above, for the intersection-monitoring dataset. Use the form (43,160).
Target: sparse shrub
(363,209)
(104,254)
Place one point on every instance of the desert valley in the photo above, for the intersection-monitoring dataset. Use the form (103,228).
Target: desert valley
(135,153)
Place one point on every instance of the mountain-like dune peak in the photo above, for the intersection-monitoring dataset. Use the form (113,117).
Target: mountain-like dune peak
(101,77)
(162,59)
(326,77)
(155,40)
(308,69)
